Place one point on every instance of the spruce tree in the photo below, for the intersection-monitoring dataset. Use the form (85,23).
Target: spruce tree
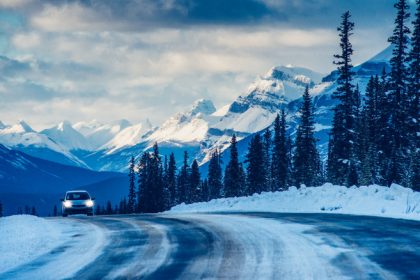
(205,194)
(109,208)
(132,188)
(414,106)
(342,152)
(171,179)
(306,162)
(398,94)
(232,183)
(267,142)
(155,181)
(183,180)
(280,157)
(256,171)
(215,176)
(195,183)
(143,191)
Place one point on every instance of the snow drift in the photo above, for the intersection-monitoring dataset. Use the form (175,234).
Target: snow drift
(395,201)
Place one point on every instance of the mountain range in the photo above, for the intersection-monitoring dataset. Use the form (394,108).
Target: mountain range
(199,130)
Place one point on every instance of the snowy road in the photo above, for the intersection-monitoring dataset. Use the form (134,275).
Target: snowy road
(233,246)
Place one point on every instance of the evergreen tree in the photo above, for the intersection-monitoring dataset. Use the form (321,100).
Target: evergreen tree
(143,192)
(55,211)
(205,194)
(195,183)
(155,181)
(123,206)
(414,106)
(27,210)
(342,152)
(232,183)
(132,188)
(33,211)
(267,142)
(183,181)
(398,94)
(306,162)
(109,208)
(280,156)
(98,209)
(1,209)
(215,176)
(171,179)
(256,171)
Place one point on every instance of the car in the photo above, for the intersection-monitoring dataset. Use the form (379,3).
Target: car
(77,202)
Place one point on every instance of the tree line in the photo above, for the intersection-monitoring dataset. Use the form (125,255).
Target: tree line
(373,140)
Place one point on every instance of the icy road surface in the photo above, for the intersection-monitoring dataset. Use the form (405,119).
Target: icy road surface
(233,246)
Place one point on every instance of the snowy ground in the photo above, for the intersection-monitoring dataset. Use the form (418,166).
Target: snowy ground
(395,201)
(25,238)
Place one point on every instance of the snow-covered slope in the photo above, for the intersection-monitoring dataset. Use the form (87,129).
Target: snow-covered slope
(98,134)
(23,138)
(65,135)
(128,137)
(395,201)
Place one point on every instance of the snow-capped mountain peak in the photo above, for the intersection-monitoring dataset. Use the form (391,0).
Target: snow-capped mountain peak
(67,136)
(202,106)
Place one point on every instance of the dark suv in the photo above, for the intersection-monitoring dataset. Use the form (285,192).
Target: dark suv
(77,202)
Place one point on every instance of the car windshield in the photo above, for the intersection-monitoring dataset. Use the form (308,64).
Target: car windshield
(77,196)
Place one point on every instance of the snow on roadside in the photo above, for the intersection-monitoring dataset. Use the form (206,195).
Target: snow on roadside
(395,201)
(24,237)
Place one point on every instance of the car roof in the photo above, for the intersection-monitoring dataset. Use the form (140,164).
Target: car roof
(76,191)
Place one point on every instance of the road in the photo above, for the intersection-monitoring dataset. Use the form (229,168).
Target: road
(235,246)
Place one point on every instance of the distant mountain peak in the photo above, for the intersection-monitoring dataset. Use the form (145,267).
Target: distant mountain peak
(26,127)
(203,106)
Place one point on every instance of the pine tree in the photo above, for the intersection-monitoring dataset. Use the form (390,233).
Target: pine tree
(256,171)
(306,162)
(55,211)
(205,194)
(280,157)
(143,191)
(232,183)
(109,208)
(195,183)
(414,106)
(398,94)
(1,209)
(183,180)
(171,179)
(215,176)
(155,181)
(132,188)
(267,142)
(342,152)
(33,211)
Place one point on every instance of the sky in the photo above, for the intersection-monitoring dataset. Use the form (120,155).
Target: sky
(80,60)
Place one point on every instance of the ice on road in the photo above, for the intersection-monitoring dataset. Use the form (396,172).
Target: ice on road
(227,246)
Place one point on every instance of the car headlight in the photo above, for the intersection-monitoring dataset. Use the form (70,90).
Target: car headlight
(67,204)
(89,203)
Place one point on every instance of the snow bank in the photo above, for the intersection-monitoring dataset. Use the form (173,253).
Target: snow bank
(24,237)
(395,201)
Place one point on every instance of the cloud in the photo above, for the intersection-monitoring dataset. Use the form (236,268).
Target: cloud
(108,59)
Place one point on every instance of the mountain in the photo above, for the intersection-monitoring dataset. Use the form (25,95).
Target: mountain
(23,138)
(198,130)
(65,135)
(26,180)
(98,134)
